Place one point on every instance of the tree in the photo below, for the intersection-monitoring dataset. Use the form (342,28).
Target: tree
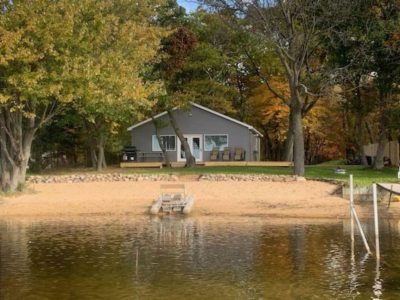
(214,73)
(385,49)
(34,82)
(365,50)
(111,58)
(55,53)
(270,115)
(59,145)
(292,30)
(176,48)
(158,124)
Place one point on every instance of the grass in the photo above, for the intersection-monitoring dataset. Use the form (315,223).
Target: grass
(362,176)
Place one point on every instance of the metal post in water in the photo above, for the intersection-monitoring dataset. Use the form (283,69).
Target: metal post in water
(361,230)
(351,216)
(377,286)
(137,261)
(375,198)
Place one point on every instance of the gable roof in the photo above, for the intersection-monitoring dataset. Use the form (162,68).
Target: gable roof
(251,128)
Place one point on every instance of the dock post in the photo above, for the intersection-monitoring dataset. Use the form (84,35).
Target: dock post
(354,216)
(137,261)
(376,221)
(351,216)
(361,231)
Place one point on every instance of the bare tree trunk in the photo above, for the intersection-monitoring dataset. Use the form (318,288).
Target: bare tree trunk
(267,147)
(380,152)
(93,155)
(15,148)
(190,159)
(242,98)
(361,152)
(369,131)
(101,160)
(162,146)
(97,141)
(104,160)
(298,138)
(359,140)
(288,154)
(382,141)
(91,143)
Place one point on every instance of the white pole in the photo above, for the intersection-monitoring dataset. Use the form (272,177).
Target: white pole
(361,230)
(377,287)
(375,198)
(137,260)
(351,216)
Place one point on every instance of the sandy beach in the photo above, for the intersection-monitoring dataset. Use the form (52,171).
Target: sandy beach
(310,199)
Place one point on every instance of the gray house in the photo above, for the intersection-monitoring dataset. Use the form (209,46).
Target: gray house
(204,130)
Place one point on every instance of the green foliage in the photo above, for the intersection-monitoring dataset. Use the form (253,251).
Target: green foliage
(114,44)
(362,176)
(117,62)
(91,52)
(111,56)
(35,53)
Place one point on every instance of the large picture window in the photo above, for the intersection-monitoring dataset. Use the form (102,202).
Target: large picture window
(169,142)
(215,140)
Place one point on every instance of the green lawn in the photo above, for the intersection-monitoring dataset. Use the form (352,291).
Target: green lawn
(362,176)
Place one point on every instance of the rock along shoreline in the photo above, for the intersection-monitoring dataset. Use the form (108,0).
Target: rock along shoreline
(118,177)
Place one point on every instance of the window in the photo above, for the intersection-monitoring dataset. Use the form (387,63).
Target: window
(169,142)
(215,140)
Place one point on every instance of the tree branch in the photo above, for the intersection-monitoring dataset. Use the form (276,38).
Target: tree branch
(265,79)
(49,113)
(309,106)
(8,132)
(5,151)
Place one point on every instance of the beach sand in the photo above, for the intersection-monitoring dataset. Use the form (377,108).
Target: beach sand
(309,199)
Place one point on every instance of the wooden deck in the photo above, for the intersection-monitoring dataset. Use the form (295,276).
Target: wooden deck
(393,188)
(209,164)
(248,163)
(141,165)
(178,164)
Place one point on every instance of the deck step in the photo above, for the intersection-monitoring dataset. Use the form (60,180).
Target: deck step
(141,165)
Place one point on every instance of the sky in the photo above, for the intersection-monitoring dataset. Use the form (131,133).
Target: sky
(189,5)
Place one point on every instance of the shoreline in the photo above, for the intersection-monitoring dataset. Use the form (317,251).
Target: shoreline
(308,199)
(313,200)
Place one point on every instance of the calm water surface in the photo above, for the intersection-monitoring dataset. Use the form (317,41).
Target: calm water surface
(184,258)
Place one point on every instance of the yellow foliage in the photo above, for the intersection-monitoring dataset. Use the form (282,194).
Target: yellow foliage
(323,130)
(267,110)
(93,51)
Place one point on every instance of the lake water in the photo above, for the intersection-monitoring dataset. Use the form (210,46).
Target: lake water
(188,258)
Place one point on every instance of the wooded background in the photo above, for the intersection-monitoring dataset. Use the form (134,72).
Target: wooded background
(319,79)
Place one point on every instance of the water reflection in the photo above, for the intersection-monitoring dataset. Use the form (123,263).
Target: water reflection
(181,258)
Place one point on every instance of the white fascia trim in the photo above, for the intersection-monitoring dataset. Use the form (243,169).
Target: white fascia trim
(228,118)
(256,131)
(149,119)
(146,121)
(251,128)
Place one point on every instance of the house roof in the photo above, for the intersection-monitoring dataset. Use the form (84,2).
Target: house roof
(251,128)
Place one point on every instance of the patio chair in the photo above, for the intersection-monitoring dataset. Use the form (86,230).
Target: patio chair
(239,153)
(227,154)
(214,153)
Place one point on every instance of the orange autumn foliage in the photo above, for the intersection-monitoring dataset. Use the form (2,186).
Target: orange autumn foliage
(324,132)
